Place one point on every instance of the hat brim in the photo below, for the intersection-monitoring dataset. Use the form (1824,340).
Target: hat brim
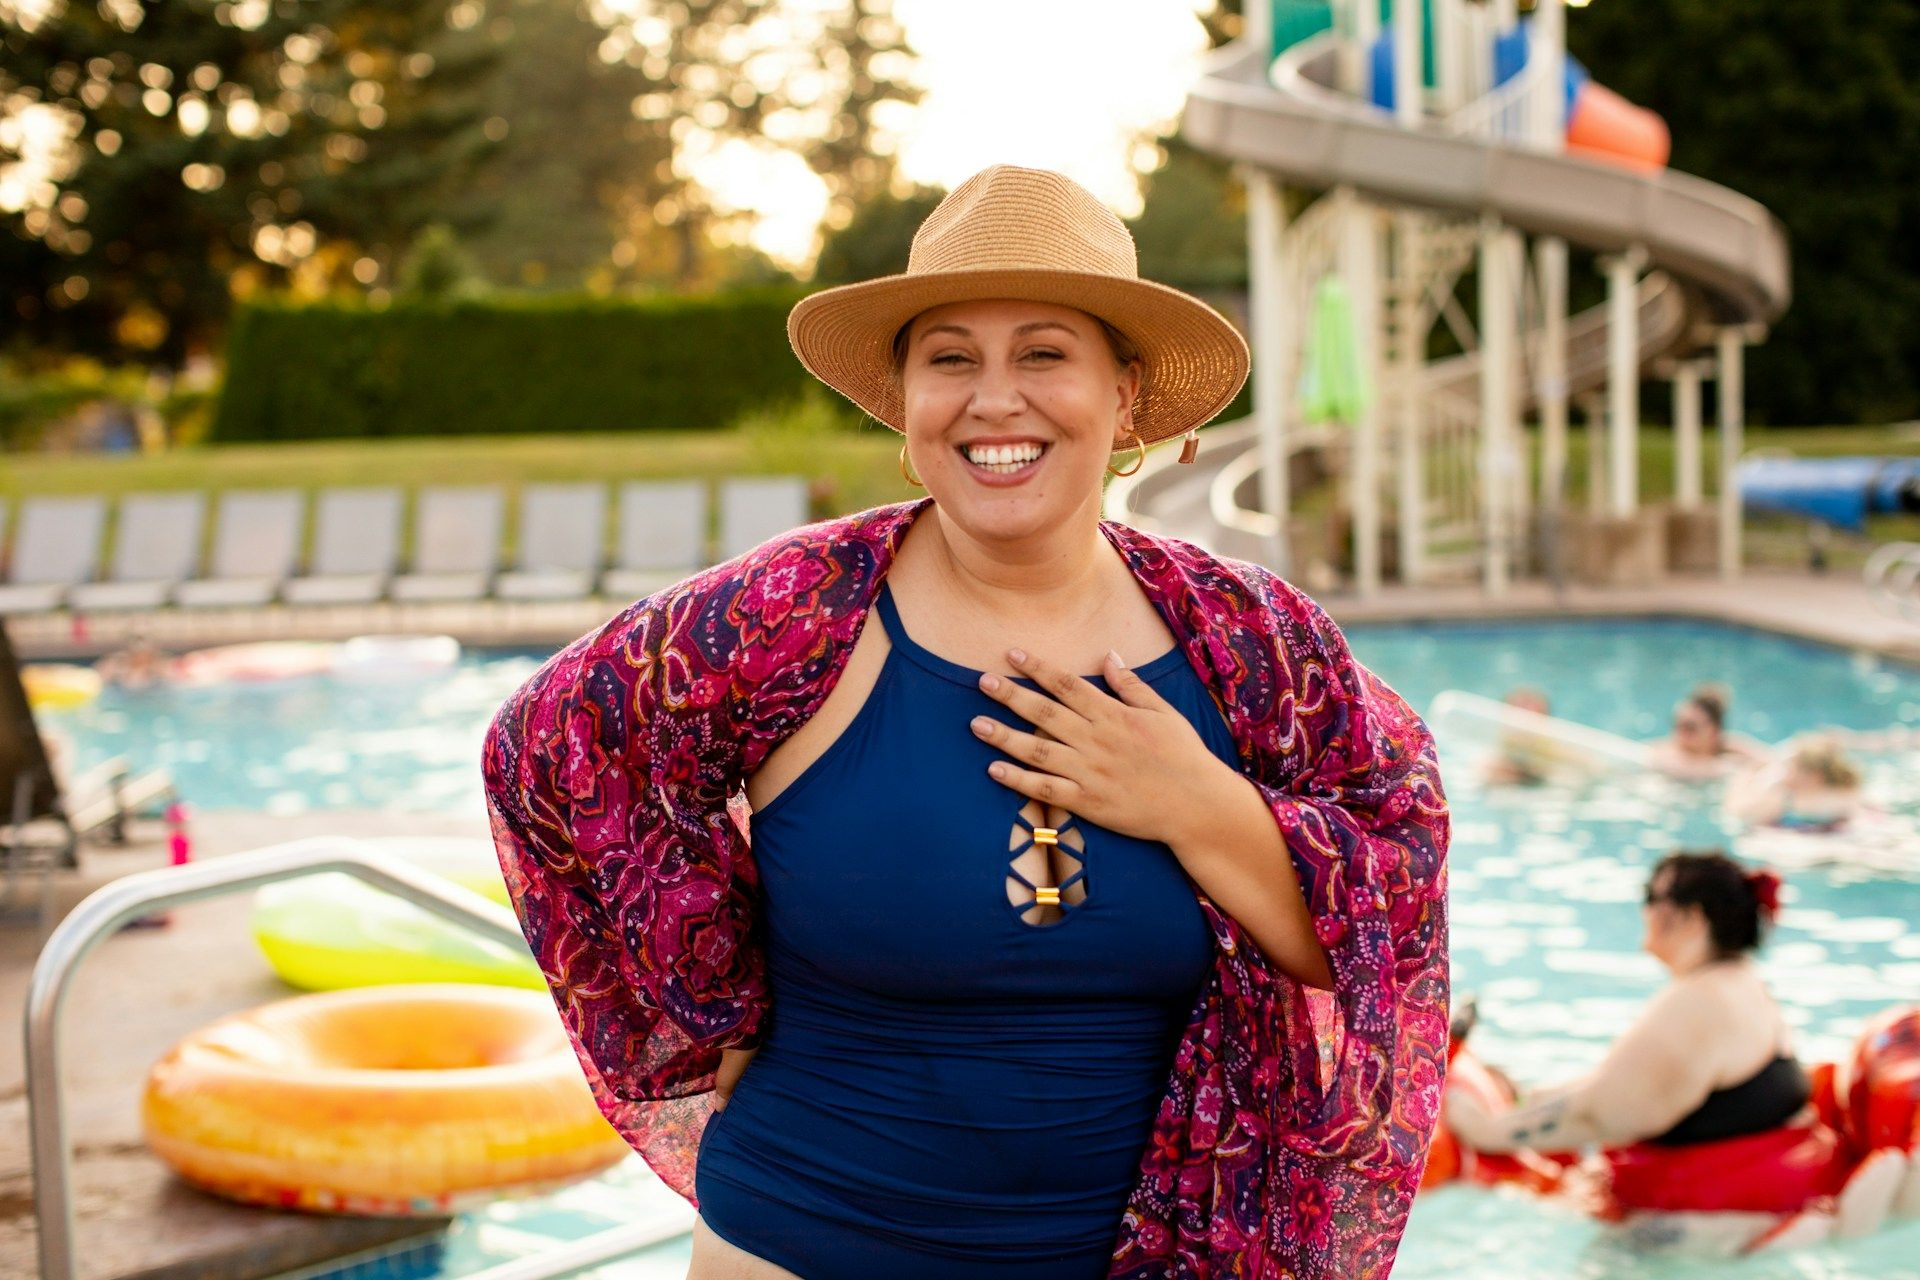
(1196,361)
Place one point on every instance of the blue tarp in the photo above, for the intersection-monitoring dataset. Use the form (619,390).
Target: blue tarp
(1841,492)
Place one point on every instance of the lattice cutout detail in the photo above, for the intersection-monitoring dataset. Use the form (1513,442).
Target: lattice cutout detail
(1045,875)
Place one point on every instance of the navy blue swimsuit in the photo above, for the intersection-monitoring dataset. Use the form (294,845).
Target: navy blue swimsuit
(946,1090)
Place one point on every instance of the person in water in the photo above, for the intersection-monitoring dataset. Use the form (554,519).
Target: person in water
(1812,786)
(1700,748)
(1521,759)
(1710,1057)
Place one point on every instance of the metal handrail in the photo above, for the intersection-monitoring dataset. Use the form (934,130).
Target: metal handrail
(115,904)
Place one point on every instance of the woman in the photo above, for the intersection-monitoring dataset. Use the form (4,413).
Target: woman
(1700,748)
(1811,786)
(1094,922)
(1710,1057)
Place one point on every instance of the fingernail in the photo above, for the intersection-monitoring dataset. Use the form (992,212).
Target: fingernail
(1116,659)
(980,724)
(1018,655)
(989,681)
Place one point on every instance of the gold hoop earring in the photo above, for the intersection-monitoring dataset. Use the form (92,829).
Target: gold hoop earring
(903,467)
(1141,445)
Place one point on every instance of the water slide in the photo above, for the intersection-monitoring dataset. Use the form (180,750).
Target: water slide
(1714,258)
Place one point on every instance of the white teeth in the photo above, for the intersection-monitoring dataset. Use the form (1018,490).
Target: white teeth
(1011,456)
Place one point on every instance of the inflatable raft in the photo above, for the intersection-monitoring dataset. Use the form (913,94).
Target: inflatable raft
(1797,1184)
(388,1101)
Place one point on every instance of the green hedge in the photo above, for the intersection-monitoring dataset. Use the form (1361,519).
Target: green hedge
(502,364)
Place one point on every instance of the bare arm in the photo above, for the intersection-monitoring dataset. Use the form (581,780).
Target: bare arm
(1645,1084)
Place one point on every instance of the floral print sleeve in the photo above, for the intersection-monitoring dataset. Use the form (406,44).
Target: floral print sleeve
(1295,1129)
(628,872)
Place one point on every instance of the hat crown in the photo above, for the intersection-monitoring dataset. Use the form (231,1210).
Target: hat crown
(1006,217)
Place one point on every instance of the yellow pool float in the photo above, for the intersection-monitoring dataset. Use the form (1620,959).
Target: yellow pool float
(59,684)
(332,930)
(384,1101)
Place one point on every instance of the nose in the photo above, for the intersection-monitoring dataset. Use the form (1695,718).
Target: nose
(996,393)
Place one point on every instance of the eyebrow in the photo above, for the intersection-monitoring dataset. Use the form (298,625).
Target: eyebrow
(1027,328)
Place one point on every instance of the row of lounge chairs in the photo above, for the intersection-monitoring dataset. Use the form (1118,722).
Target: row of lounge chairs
(661,537)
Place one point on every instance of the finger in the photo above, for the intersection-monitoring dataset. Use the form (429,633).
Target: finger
(1060,792)
(1046,753)
(1076,692)
(1133,690)
(1058,716)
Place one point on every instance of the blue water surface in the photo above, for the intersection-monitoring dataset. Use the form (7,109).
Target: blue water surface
(1545,881)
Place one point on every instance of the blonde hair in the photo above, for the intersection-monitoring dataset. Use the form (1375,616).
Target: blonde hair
(1823,757)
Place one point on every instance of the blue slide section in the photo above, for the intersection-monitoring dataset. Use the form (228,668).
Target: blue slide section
(1509,59)
(1841,492)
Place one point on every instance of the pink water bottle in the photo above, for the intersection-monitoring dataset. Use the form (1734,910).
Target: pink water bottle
(179,853)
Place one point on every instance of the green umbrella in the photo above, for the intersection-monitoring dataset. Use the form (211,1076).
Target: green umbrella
(1332,386)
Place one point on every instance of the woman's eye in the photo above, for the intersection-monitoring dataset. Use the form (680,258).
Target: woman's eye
(1044,352)
(951,357)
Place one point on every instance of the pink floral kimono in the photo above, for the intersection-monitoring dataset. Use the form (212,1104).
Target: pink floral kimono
(1294,1126)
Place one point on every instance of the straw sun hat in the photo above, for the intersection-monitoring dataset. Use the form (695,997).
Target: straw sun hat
(1034,235)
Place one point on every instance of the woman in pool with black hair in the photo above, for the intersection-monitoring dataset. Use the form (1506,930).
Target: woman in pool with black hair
(1701,1107)
(1710,1057)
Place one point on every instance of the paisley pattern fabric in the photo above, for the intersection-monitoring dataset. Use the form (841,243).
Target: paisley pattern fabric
(1295,1122)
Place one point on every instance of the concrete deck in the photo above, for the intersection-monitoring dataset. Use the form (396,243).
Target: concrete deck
(1830,608)
(134,996)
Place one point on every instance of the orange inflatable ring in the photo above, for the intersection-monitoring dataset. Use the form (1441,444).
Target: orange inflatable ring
(387,1101)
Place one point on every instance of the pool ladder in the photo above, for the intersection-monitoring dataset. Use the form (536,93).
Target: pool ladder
(104,911)
(1892,575)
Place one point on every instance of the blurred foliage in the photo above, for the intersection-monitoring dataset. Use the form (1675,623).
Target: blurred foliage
(34,404)
(877,239)
(1812,108)
(227,149)
(438,266)
(219,147)
(508,362)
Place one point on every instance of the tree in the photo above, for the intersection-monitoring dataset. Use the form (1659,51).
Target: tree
(204,145)
(877,238)
(1811,108)
(726,76)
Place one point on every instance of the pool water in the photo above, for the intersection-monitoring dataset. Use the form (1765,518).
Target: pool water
(1545,884)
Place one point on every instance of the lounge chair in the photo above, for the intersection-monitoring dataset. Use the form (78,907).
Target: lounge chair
(56,546)
(154,549)
(356,547)
(46,812)
(561,530)
(755,508)
(456,544)
(256,542)
(662,537)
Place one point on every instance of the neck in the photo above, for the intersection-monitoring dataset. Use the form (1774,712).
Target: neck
(1062,567)
(1695,961)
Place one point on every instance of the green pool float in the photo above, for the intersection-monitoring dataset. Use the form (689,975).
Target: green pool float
(330,931)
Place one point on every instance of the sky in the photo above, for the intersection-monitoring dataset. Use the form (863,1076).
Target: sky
(1070,85)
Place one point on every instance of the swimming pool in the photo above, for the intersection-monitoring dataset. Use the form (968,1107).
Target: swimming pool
(1545,883)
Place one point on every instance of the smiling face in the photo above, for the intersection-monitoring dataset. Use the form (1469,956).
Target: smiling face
(1694,731)
(1013,410)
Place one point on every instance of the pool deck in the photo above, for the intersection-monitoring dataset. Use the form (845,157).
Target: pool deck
(1830,608)
(132,998)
